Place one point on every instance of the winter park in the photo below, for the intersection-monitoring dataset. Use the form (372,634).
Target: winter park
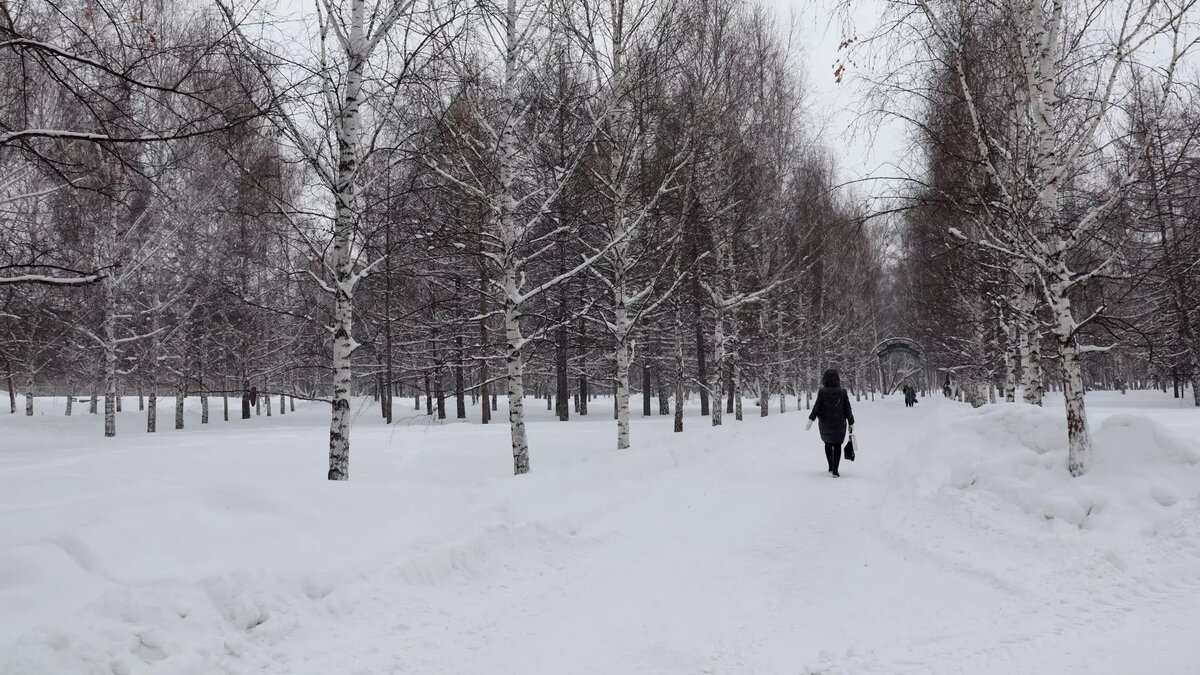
(599,336)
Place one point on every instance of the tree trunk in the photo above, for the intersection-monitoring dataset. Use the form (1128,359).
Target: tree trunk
(1029,343)
(646,393)
(622,390)
(180,397)
(1078,438)
(12,391)
(110,358)
(152,408)
(29,395)
(245,399)
(440,393)
(779,343)
(735,389)
(698,318)
(562,381)
(428,396)
(514,361)
(1188,333)
(485,413)
(718,366)
(345,220)
(70,398)
(664,401)
(764,398)
(388,375)
(460,390)
(583,380)
(730,385)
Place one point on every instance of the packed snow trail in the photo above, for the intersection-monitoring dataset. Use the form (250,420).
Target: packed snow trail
(722,550)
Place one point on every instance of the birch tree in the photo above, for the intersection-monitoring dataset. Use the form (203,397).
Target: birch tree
(367,52)
(1069,79)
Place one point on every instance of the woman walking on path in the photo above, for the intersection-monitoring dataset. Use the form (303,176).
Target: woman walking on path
(832,408)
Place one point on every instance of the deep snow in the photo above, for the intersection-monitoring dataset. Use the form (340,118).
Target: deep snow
(956,543)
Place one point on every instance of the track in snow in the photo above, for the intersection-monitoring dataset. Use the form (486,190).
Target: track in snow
(722,550)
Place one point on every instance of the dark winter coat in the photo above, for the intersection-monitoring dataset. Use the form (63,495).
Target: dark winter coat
(832,409)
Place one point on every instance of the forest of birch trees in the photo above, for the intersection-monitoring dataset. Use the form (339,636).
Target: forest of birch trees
(469,208)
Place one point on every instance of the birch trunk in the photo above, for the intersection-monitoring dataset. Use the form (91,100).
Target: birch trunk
(29,395)
(1079,441)
(516,386)
(1010,360)
(622,394)
(345,197)
(110,358)
(1029,343)
(509,237)
(70,399)
(152,407)
(622,324)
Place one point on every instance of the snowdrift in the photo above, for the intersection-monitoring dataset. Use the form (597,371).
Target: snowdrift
(1141,475)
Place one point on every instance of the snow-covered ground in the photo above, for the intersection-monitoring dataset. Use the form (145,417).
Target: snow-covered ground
(956,543)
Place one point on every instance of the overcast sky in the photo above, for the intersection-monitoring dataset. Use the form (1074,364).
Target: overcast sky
(860,152)
(832,108)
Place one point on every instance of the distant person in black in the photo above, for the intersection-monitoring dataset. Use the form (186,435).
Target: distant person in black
(910,396)
(832,408)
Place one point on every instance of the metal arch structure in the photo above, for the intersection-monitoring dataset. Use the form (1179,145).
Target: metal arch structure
(901,360)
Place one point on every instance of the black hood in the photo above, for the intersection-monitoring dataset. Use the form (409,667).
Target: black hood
(831,379)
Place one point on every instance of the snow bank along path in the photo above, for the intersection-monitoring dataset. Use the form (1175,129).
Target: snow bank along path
(955,544)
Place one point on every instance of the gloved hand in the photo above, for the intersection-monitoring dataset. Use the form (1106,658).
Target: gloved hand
(808,426)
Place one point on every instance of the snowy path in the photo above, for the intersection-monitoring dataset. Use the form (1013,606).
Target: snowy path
(716,551)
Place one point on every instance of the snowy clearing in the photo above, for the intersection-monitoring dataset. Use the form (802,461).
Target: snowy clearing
(956,543)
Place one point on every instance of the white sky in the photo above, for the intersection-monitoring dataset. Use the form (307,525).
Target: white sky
(859,149)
